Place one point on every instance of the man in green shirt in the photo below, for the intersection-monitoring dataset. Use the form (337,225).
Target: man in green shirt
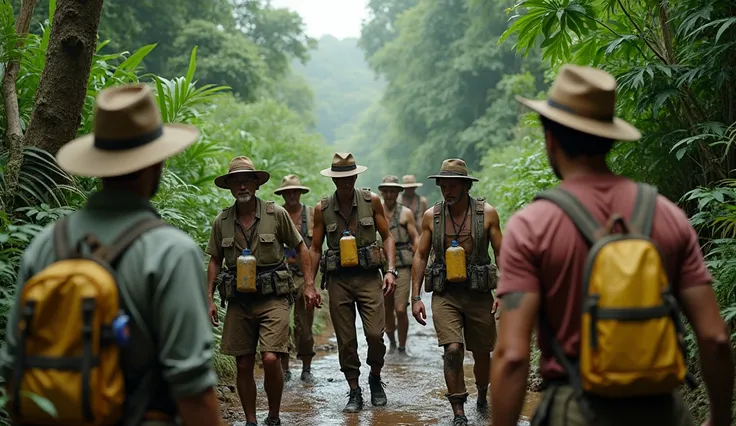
(160,276)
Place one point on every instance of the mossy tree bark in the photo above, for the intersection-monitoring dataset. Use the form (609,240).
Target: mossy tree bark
(63,85)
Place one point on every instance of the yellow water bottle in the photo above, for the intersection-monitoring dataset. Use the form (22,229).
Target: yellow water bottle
(455,261)
(246,273)
(348,250)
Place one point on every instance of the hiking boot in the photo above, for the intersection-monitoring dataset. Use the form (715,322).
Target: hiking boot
(271,422)
(460,420)
(391,348)
(308,377)
(355,401)
(378,395)
(287,375)
(402,353)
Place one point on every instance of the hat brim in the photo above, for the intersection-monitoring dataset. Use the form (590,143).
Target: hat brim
(390,185)
(303,189)
(80,157)
(221,181)
(330,173)
(474,179)
(617,129)
(412,185)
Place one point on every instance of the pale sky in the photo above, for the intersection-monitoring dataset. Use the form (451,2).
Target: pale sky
(339,18)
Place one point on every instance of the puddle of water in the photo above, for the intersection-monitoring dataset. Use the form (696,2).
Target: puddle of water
(415,388)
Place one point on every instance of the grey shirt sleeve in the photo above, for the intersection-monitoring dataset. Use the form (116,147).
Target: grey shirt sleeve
(181,326)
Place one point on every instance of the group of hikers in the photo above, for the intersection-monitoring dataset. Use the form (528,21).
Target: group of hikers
(113,316)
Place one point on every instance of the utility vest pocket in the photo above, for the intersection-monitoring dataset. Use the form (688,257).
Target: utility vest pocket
(404,255)
(434,278)
(269,251)
(277,281)
(483,278)
(229,251)
(371,257)
(225,285)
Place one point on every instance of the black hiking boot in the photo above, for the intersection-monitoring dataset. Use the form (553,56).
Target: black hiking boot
(482,407)
(271,422)
(251,424)
(355,401)
(378,395)
(308,377)
(287,375)
(460,420)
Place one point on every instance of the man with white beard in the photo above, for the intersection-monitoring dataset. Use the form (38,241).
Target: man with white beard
(258,319)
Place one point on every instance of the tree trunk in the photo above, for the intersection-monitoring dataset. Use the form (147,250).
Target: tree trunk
(63,86)
(14,133)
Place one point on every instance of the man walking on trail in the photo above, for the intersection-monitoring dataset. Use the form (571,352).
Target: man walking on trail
(545,252)
(302,216)
(462,299)
(401,224)
(413,201)
(258,319)
(167,373)
(355,215)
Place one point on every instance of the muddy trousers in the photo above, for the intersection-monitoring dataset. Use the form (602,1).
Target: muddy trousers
(362,290)
(558,407)
(301,334)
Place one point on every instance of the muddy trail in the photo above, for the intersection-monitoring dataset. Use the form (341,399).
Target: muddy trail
(415,387)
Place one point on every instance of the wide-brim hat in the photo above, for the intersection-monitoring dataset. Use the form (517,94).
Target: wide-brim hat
(390,182)
(128,135)
(241,165)
(584,99)
(410,181)
(343,165)
(290,182)
(453,168)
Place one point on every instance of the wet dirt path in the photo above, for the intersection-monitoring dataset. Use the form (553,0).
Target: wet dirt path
(415,387)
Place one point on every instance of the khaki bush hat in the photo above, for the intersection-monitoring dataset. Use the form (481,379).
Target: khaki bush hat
(454,168)
(584,98)
(343,165)
(390,182)
(129,135)
(291,182)
(239,165)
(410,181)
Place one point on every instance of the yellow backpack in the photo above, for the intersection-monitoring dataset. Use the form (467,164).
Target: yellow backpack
(70,330)
(631,337)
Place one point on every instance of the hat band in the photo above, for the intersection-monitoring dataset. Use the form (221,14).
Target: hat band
(451,173)
(343,168)
(107,144)
(556,105)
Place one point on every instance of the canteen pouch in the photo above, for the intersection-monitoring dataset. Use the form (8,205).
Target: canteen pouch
(483,278)
(371,257)
(330,262)
(404,255)
(275,281)
(225,285)
(434,278)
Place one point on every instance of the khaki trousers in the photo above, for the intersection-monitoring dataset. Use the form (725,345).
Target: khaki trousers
(361,289)
(558,407)
(303,321)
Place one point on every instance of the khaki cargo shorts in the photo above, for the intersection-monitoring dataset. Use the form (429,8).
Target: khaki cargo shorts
(256,321)
(461,315)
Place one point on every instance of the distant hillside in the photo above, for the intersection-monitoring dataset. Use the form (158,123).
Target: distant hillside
(343,84)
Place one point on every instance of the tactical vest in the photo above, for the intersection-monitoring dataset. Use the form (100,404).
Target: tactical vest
(365,229)
(269,251)
(401,236)
(417,212)
(482,272)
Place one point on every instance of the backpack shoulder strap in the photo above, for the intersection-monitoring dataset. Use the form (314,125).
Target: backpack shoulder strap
(644,208)
(304,220)
(128,237)
(367,196)
(324,202)
(438,230)
(478,220)
(61,239)
(585,222)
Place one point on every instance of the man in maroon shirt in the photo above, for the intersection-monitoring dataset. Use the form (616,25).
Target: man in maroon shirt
(543,257)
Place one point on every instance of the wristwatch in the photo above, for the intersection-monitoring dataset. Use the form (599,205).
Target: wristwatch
(393,271)
(415,299)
